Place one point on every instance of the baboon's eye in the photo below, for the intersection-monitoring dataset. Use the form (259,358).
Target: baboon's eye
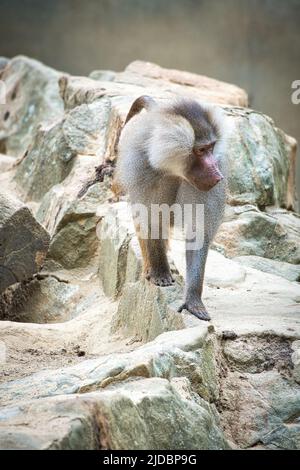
(201,150)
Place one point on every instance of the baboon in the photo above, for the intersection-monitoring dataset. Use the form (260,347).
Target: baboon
(173,152)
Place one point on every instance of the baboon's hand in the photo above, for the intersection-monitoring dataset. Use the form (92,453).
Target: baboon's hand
(162,279)
(195,307)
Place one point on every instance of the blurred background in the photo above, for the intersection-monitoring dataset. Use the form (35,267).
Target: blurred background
(252,43)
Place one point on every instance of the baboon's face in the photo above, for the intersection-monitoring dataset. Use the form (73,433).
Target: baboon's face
(203,172)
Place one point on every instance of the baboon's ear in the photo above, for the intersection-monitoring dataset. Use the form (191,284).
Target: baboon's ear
(143,102)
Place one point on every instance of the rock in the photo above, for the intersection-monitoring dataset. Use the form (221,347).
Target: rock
(249,397)
(147,74)
(288,219)
(47,162)
(32,100)
(158,81)
(66,246)
(115,233)
(280,268)
(261,161)
(143,414)
(222,272)
(134,267)
(51,301)
(76,91)
(32,347)
(160,418)
(255,355)
(261,408)
(187,352)
(3,91)
(63,204)
(224,286)
(269,235)
(6,163)
(80,133)
(103,75)
(56,424)
(291,198)
(72,220)
(146,310)
(13,299)
(296,360)
(23,242)
(3,63)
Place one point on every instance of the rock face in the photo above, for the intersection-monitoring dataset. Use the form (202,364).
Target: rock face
(259,174)
(32,99)
(264,367)
(170,355)
(6,162)
(296,360)
(3,62)
(50,301)
(120,418)
(286,270)
(147,74)
(92,355)
(249,231)
(71,220)
(23,243)
(115,233)
(140,402)
(55,148)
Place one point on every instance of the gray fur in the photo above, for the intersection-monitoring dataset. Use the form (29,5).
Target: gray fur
(153,152)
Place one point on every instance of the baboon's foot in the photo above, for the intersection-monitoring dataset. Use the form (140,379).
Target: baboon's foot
(162,279)
(195,307)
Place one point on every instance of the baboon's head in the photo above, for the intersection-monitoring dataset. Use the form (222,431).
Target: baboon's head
(183,143)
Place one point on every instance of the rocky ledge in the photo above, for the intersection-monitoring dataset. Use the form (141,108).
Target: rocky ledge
(94,357)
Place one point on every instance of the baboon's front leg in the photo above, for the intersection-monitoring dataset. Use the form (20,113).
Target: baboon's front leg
(195,267)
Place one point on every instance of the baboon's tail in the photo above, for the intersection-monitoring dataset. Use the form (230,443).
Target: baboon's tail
(143,102)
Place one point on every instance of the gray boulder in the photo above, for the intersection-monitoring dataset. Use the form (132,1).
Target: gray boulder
(3,63)
(143,414)
(115,233)
(72,220)
(103,75)
(32,99)
(23,242)
(270,234)
(80,133)
(280,268)
(50,301)
(261,161)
